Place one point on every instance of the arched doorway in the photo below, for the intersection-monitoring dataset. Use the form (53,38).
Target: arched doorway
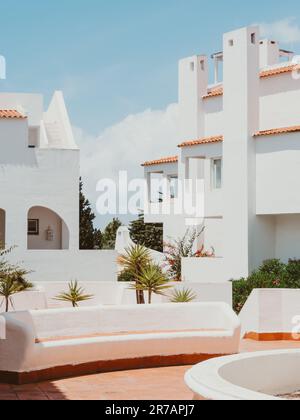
(2,228)
(46,230)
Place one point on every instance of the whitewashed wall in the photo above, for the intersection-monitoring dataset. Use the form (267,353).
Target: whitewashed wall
(271,311)
(53,266)
(111,293)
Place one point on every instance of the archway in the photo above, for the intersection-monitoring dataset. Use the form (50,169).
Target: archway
(46,230)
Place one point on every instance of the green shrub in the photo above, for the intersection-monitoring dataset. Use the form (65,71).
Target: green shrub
(273,274)
(125,277)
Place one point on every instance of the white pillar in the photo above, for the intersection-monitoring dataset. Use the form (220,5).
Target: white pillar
(241,117)
(216,64)
(193,83)
(149,189)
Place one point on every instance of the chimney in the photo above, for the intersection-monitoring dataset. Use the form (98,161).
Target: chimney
(269,53)
(193,84)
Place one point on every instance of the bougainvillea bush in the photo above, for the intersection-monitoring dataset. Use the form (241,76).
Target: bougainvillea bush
(175,250)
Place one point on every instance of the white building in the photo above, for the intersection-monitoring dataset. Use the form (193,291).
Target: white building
(39,192)
(241,138)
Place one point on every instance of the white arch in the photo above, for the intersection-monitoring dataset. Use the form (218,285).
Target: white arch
(46,230)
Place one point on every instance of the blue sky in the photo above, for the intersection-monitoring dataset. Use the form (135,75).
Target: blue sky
(117,57)
(116,62)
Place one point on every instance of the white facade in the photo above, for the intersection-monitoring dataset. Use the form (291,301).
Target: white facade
(39,192)
(241,138)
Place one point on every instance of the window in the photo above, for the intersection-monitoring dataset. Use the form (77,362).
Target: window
(253,38)
(192,66)
(174,186)
(33,137)
(231,43)
(217,173)
(33,227)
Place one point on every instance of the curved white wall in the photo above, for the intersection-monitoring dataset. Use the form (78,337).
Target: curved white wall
(253,376)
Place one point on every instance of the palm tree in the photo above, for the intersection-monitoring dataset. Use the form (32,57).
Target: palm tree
(152,280)
(75,295)
(12,283)
(183,296)
(134,261)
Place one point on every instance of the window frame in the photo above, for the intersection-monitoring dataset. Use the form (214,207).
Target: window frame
(214,183)
(35,232)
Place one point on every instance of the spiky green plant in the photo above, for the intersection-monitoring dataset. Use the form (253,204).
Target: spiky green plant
(153,281)
(75,295)
(12,278)
(134,261)
(12,281)
(183,296)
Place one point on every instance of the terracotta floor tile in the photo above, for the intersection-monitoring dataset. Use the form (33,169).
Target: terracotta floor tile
(32,396)
(149,384)
(52,396)
(5,388)
(8,396)
(26,388)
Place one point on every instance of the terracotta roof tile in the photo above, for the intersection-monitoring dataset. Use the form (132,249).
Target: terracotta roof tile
(173,159)
(11,114)
(279,70)
(277,131)
(263,75)
(214,93)
(204,140)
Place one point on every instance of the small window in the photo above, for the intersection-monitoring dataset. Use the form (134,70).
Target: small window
(33,227)
(174,186)
(231,43)
(33,137)
(192,66)
(202,64)
(217,174)
(253,38)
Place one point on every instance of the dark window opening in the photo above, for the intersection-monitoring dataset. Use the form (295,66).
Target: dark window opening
(33,227)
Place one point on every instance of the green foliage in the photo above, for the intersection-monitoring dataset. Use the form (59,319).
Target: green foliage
(134,261)
(12,279)
(110,234)
(90,238)
(273,274)
(149,235)
(183,296)
(178,249)
(125,277)
(75,295)
(152,280)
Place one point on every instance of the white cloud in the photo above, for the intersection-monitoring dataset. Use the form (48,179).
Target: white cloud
(124,146)
(286,31)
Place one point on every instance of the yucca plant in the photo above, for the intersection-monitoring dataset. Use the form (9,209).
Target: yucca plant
(134,261)
(153,281)
(183,296)
(75,295)
(13,281)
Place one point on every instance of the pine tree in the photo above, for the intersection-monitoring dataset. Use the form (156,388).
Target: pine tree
(110,234)
(90,238)
(149,235)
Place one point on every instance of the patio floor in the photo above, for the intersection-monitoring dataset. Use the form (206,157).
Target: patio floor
(150,384)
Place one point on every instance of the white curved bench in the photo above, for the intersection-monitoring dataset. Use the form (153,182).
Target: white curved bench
(64,342)
(246,377)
